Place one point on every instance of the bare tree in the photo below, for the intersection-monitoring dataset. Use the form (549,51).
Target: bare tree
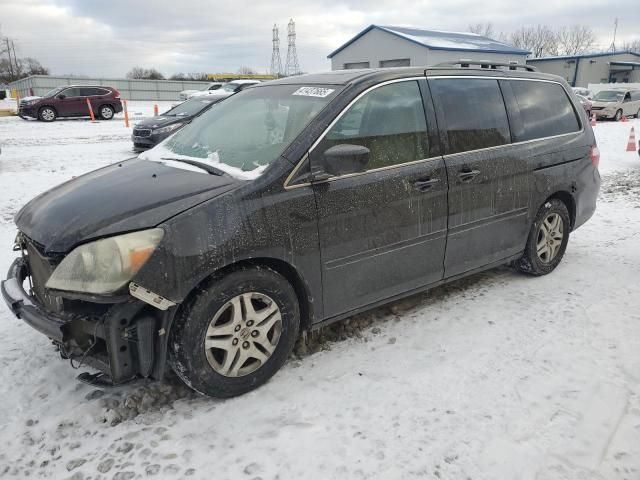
(633,45)
(145,73)
(540,40)
(574,40)
(246,71)
(484,29)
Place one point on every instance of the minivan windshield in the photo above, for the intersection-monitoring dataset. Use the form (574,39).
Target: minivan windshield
(244,133)
(190,107)
(609,96)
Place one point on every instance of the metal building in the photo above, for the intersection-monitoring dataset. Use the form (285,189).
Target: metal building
(388,46)
(581,70)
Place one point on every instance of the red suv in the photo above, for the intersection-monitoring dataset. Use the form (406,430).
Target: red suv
(71,101)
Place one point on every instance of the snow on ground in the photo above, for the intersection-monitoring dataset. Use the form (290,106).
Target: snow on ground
(498,376)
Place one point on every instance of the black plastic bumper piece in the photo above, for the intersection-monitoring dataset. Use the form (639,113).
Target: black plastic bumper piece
(23,306)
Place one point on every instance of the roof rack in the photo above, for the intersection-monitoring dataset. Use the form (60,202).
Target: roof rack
(464,63)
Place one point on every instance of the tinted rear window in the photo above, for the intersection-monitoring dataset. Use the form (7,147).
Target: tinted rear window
(474,112)
(545,110)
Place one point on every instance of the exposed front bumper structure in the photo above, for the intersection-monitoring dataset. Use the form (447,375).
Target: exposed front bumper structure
(124,341)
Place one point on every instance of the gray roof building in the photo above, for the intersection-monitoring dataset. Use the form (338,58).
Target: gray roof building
(389,46)
(581,70)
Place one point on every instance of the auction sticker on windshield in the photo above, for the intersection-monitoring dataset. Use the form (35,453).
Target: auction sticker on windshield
(313,92)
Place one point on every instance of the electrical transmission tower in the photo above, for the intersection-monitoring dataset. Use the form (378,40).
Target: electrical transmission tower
(276,63)
(615,31)
(292,67)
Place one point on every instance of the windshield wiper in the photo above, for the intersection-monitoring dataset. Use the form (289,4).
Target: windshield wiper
(204,166)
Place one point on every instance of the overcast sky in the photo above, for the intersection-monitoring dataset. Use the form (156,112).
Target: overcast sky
(108,37)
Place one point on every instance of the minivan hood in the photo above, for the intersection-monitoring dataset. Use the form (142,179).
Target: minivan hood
(132,195)
(599,103)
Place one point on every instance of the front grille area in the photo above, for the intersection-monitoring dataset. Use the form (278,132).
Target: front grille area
(41,268)
(141,132)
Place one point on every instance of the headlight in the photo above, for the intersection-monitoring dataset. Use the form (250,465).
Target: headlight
(105,265)
(31,102)
(168,128)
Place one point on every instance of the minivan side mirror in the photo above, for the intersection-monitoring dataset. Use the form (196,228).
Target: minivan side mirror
(62,96)
(339,160)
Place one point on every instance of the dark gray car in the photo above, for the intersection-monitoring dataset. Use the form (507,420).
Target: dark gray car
(151,131)
(297,203)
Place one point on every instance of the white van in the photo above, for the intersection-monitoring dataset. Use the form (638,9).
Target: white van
(616,102)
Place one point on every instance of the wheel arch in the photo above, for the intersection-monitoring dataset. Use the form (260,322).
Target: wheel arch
(570,202)
(41,107)
(288,271)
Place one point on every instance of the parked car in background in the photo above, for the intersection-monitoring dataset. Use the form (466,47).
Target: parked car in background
(585,92)
(71,101)
(297,203)
(616,102)
(586,104)
(230,88)
(186,94)
(148,133)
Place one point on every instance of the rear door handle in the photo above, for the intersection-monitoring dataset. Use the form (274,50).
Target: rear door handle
(468,175)
(426,184)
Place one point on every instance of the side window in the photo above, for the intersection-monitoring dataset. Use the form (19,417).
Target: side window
(474,112)
(627,97)
(355,65)
(71,92)
(389,121)
(91,91)
(545,109)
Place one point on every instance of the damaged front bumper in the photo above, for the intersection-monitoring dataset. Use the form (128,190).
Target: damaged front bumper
(124,340)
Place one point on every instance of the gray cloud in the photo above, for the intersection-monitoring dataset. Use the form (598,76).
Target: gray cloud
(108,38)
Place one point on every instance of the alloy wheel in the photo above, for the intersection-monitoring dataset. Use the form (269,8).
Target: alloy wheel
(106,113)
(48,114)
(550,236)
(243,334)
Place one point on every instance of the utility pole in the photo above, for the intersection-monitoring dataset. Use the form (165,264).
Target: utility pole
(615,31)
(9,54)
(15,58)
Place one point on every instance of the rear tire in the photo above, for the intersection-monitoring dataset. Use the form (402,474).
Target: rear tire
(106,112)
(236,333)
(547,239)
(47,114)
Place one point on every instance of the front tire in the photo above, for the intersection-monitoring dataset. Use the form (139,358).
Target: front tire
(547,239)
(47,114)
(236,333)
(618,116)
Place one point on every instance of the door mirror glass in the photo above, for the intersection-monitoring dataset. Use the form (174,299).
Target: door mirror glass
(62,96)
(339,160)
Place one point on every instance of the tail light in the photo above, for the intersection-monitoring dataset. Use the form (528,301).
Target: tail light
(116,93)
(594,154)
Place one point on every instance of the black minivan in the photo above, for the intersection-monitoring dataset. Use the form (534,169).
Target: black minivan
(297,203)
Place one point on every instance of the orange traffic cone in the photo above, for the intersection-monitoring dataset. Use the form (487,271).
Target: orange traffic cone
(155,109)
(593,119)
(624,119)
(631,144)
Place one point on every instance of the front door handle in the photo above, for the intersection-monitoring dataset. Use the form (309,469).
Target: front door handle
(468,175)
(424,185)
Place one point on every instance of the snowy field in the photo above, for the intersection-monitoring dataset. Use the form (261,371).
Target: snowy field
(499,376)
